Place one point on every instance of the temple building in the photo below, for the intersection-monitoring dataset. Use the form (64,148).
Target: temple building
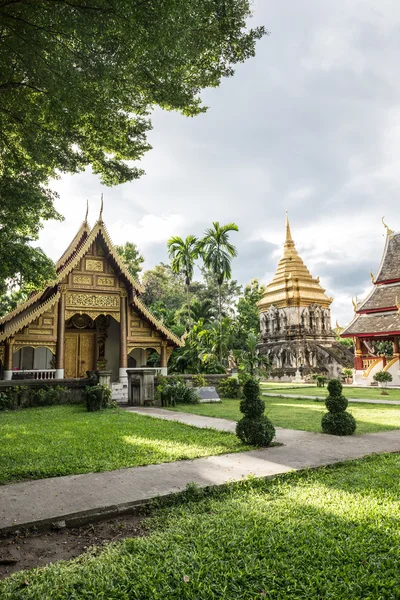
(90,317)
(295,321)
(375,327)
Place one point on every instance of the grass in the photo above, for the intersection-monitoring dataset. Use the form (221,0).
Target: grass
(331,533)
(65,440)
(349,392)
(303,414)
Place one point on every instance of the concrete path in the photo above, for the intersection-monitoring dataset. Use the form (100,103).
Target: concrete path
(356,400)
(79,498)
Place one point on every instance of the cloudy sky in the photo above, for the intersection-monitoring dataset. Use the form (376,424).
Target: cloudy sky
(311,124)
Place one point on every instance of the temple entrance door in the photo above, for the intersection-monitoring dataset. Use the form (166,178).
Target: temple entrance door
(79,353)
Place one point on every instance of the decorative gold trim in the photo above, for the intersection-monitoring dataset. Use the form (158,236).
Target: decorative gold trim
(354,303)
(21,307)
(371,366)
(27,320)
(390,363)
(94,265)
(388,231)
(372,276)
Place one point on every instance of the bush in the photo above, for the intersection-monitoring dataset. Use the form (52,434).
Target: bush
(174,391)
(229,387)
(199,381)
(98,397)
(48,396)
(10,398)
(342,423)
(321,380)
(337,421)
(22,396)
(347,373)
(254,428)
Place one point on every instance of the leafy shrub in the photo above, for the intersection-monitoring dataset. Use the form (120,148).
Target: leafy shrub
(229,387)
(254,428)
(175,391)
(10,398)
(337,421)
(199,381)
(342,423)
(347,373)
(48,396)
(321,380)
(98,397)
(383,378)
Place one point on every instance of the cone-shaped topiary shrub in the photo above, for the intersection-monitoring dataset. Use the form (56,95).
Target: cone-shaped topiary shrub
(255,428)
(337,421)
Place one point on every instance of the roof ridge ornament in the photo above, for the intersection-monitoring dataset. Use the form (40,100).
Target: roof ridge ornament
(87,211)
(388,231)
(372,276)
(101,210)
(354,303)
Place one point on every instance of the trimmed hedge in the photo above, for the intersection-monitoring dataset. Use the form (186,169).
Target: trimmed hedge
(337,421)
(255,428)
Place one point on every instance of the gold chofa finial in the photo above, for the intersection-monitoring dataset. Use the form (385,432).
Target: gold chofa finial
(354,304)
(101,209)
(87,211)
(372,276)
(397,304)
(388,231)
(289,238)
(338,328)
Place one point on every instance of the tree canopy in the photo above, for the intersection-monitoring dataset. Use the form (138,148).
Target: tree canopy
(79,79)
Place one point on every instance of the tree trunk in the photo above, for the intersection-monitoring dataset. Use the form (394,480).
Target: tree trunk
(220,322)
(188,306)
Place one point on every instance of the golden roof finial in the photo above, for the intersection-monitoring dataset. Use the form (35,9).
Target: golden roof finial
(397,304)
(354,304)
(289,239)
(388,231)
(372,276)
(87,211)
(101,210)
(338,328)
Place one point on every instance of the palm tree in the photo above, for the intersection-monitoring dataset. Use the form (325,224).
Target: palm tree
(183,254)
(217,253)
(202,310)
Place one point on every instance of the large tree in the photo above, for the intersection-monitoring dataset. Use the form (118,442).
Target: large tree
(132,258)
(184,254)
(217,253)
(78,80)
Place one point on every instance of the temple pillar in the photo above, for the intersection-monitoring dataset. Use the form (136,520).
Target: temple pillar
(60,347)
(123,346)
(358,363)
(164,359)
(396,346)
(8,359)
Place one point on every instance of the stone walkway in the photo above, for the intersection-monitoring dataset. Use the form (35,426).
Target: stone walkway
(79,498)
(356,400)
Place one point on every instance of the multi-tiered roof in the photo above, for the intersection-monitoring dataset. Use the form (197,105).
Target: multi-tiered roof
(293,284)
(379,314)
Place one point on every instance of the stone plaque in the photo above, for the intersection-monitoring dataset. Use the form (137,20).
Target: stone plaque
(207,394)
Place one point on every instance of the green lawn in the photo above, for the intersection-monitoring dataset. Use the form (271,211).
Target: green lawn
(349,392)
(303,414)
(331,533)
(62,440)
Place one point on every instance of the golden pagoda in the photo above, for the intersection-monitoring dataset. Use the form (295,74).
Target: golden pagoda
(293,284)
(295,321)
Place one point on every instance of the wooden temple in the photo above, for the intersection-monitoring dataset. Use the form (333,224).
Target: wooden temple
(89,318)
(377,319)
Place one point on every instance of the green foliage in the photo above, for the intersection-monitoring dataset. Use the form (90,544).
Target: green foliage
(383,378)
(383,348)
(248,316)
(21,396)
(173,390)
(321,380)
(183,254)
(337,421)
(79,82)
(254,428)
(250,358)
(229,387)
(132,258)
(199,381)
(66,440)
(98,397)
(347,373)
